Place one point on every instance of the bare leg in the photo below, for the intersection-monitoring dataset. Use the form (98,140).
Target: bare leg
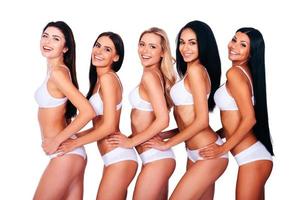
(76,187)
(116,179)
(58,176)
(209,193)
(251,180)
(153,177)
(198,178)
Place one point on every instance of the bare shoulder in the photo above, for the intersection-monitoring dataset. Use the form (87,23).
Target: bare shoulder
(149,77)
(234,74)
(196,71)
(59,73)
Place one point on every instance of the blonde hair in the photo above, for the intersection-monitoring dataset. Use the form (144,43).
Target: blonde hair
(166,66)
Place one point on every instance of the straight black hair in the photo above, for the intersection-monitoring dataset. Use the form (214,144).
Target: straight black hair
(208,56)
(118,43)
(256,63)
(69,60)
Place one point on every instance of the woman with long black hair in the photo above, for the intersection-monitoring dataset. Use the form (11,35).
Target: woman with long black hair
(244,115)
(199,67)
(58,99)
(105,95)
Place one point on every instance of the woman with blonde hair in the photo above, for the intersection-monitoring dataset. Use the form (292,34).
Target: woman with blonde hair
(151,102)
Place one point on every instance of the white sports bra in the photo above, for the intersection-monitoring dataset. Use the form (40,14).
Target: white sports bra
(97,103)
(226,102)
(137,102)
(44,98)
(180,95)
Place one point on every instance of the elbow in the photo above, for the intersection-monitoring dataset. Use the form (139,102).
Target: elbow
(201,124)
(89,113)
(249,120)
(164,122)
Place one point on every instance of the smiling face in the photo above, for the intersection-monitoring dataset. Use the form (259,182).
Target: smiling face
(52,43)
(188,46)
(104,52)
(239,48)
(150,50)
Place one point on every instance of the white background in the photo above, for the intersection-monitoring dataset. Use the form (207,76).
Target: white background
(22,69)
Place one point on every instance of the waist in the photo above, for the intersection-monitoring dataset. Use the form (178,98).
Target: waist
(201,139)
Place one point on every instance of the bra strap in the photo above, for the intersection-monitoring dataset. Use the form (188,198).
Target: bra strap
(244,71)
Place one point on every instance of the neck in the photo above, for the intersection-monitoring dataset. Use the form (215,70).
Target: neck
(152,67)
(54,62)
(239,63)
(194,62)
(102,70)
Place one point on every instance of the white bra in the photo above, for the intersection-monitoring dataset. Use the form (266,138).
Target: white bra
(226,102)
(44,98)
(180,95)
(137,102)
(97,103)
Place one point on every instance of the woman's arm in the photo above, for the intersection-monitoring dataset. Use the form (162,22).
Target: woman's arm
(62,81)
(239,88)
(152,85)
(109,88)
(240,91)
(197,83)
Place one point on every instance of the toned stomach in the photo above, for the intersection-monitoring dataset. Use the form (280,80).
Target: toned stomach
(184,116)
(52,121)
(230,122)
(140,121)
(102,144)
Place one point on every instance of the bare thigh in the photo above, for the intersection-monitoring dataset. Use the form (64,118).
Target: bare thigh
(251,180)
(58,177)
(209,193)
(75,191)
(198,178)
(115,180)
(153,180)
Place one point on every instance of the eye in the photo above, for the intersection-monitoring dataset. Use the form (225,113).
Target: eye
(108,49)
(141,44)
(181,42)
(97,45)
(193,43)
(233,40)
(152,46)
(243,45)
(56,39)
(44,35)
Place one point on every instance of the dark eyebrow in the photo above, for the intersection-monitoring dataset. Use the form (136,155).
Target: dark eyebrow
(192,39)
(56,36)
(108,47)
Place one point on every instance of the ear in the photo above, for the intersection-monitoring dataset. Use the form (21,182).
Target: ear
(65,49)
(116,58)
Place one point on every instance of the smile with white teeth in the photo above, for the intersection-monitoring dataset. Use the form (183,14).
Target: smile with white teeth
(146,57)
(47,48)
(98,58)
(233,53)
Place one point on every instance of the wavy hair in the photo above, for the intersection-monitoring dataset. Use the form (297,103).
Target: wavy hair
(166,65)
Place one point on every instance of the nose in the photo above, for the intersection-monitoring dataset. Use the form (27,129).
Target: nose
(185,47)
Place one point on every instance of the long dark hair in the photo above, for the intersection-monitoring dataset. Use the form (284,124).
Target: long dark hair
(69,60)
(208,56)
(256,63)
(118,43)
